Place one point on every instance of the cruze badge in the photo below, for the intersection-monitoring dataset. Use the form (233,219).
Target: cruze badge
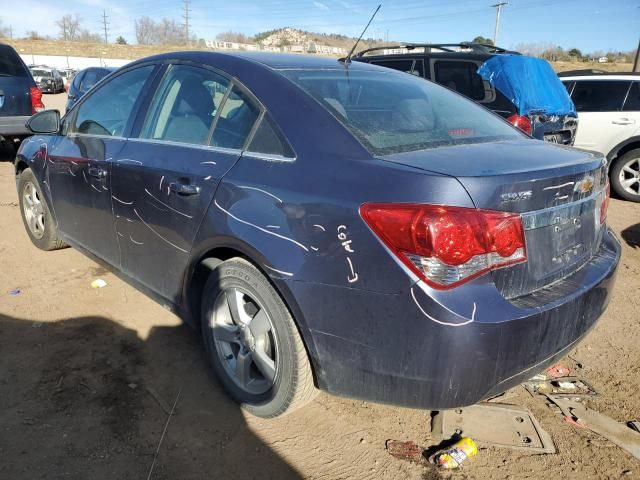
(515,196)
(584,186)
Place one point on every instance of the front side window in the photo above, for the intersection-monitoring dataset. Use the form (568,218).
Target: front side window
(236,120)
(599,95)
(412,66)
(390,112)
(107,110)
(632,104)
(460,76)
(185,105)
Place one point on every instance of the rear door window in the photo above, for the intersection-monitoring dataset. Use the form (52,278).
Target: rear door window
(460,76)
(89,80)
(185,105)
(10,63)
(268,139)
(632,104)
(412,66)
(107,110)
(236,120)
(568,85)
(599,95)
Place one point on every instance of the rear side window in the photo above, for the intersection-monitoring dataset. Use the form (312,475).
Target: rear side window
(10,63)
(90,78)
(460,76)
(185,105)
(107,111)
(236,119)
(568,85)
(269,139)
(632,104)
(599,95)
(412,66)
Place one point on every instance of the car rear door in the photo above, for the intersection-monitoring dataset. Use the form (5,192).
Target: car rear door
(15,82)
(79,162)
(164,180)
(602,122)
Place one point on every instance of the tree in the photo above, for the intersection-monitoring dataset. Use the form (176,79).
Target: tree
(234,37)
(86,36)
(574,52)
(69,26)
(165,32)
(144,27)
(483,40)
(121,40)
(34,35)
(4,31)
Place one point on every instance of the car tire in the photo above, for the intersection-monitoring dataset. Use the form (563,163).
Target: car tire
(243,315)
(626,168)
(36,215)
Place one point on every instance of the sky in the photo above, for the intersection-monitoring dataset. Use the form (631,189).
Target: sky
(589,25)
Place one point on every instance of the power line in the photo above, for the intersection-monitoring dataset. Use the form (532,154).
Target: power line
(498,7)
(105,24)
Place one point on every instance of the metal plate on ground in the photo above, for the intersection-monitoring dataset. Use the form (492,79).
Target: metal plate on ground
(494,424)
(572,387)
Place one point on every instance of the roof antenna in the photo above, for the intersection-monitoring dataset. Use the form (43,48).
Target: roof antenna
(347,59)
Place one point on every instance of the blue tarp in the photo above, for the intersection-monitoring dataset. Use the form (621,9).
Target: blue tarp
(530,83)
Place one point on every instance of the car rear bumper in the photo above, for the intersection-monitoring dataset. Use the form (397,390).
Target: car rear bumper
(14,126)
(384,349)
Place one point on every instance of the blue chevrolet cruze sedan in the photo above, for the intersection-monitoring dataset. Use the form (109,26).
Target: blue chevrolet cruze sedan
(328,225)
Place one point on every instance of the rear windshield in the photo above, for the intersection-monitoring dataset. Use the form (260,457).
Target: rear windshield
(391,112)
(40,73)
(10,63)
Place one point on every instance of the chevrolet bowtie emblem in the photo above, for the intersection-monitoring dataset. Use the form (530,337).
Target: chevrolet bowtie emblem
(584,186)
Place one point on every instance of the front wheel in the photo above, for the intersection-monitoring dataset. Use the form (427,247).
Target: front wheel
(36,215)
(252,341)
(625,175)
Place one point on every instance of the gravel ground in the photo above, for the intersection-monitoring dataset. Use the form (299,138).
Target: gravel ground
(86,378)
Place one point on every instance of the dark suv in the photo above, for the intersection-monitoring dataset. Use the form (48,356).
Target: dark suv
(19,96)
(521,99)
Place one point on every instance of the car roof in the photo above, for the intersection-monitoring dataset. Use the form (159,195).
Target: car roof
(271,60)
(602,76)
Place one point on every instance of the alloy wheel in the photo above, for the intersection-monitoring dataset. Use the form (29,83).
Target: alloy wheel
(245,341)
(629,176)
(33,210)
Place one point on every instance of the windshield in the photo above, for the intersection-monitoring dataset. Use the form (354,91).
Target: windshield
(393,112)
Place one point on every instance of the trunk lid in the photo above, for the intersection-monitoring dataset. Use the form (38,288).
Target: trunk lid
(557,190)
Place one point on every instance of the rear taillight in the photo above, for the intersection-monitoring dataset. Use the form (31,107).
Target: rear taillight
(522,122)
(604,206)
(36,100)
(447,246)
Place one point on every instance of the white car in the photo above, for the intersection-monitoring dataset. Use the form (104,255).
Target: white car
(608,108)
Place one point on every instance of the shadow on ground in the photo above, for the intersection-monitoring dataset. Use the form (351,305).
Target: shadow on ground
(86,398)
(631,235)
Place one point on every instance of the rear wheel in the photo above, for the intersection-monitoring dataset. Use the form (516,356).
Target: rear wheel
(252,341)
(36,214)
(625,175)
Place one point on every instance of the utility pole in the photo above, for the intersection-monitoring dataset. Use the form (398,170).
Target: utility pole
(11,32)
(186,22)
(498,7)
(104,24)
(636,61)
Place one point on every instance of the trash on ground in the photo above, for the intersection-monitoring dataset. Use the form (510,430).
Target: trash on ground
(494,424)
(558,371)
(406,451)
(457,453)
(15,292)
(98,283)
(616,432)
(573,387)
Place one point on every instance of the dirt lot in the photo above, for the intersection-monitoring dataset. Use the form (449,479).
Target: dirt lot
(80,371)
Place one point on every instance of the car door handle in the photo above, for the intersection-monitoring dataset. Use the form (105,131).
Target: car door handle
(184,188)
(623,121)
(97,172)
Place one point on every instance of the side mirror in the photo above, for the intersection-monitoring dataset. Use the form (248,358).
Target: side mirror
(47,121)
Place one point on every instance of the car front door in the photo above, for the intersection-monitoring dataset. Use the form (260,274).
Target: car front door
(193,132)
(601,122)
(79,164)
